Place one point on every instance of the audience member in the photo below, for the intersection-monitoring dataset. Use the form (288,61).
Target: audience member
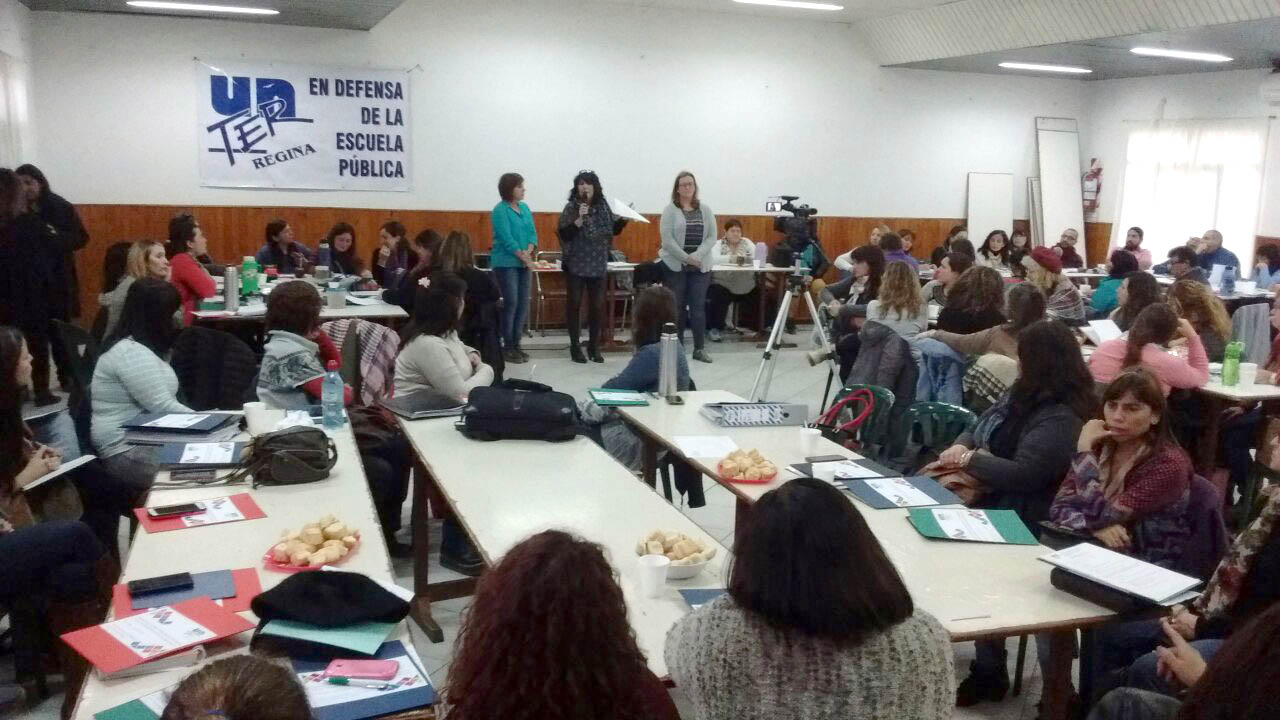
(194,283)
(424,247)
(1267,270)
(1044,270)
(730,287)
(1239,432)
(144,258)
(57,213)
(1183,265)
(1133,244)
(961,244)
(1024,306)
(240,687)
(899,304)
(908,239)
(392,257)
(281,251)
(809,576)
(1196,303)
(1104,299)
(994,252)
(547,636)
(586,230)
(481,324)
(935,258)
(844,262)
(892,247)
(431,354)
(1209,252)
(688,230)
(974,302)
(948,271)
(1137,291)
(1154,327)
(343,258)
(1066,249)
(515,244)
(1019,247)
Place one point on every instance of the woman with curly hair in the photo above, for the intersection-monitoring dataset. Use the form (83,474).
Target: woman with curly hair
(1195,302)
(547,637)
(974,302)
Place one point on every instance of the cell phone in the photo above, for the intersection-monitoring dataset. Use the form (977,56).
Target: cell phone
(162,583)
(363,669)
(194,476)
(163,511)
(825,458)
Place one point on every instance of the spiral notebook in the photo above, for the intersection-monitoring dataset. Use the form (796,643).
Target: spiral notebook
(746,414)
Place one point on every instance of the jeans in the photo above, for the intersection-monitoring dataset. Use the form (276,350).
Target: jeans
(514,284)
(38,341)
(690,288)
(58,431)
(52,559)
(719,298)
(1131,704)
(1142,674)
(575,286)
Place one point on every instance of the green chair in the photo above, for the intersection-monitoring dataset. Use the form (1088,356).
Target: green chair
(873,434)
(936,425)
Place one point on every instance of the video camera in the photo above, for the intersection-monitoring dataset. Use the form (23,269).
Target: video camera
(801,228)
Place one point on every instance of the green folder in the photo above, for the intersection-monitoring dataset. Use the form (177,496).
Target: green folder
(617,398)
(970,525)
(132,710)
(365,637)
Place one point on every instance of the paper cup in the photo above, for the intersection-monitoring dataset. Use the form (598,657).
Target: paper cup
(809,441)
(337,299)
(759,263)
(653,574)
(1248,374)
(260,418)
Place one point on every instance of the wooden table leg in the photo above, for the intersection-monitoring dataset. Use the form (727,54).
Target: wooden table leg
(420,607)
(1206,453)
(649,460)
(1055,698)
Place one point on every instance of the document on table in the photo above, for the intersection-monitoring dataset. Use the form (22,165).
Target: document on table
(623,210)
(900,492)
(219,453)
(705,446)
(355,300)
(971,525)
(1123,573)
(217,510)
(157,632)
(1100,331)
(410,688)
(176,421)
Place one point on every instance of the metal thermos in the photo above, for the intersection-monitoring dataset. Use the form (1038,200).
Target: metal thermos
(668,361)
(231,288)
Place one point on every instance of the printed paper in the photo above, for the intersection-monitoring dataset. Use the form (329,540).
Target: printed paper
(900,492)
(218,510)
(176,421)
(964,524)
(208,453)
(705,446)
(321,693)
(157,632)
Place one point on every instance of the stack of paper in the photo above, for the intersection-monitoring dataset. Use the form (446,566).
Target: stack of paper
(1100,331)
(364,638)
(410,688)
(617,398)
(1124,573)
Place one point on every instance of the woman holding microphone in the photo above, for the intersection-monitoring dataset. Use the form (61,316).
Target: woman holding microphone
(688,235)
(587,228)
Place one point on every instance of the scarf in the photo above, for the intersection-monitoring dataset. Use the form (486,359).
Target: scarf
(1228,579)
(991,421)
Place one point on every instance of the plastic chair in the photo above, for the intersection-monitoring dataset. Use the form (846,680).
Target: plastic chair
(937,424)
(873,434)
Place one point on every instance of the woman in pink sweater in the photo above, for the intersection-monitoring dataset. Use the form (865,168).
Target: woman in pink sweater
(1154,327)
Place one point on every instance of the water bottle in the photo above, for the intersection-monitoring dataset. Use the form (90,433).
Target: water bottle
(331,397)
(249,276)
(1231,363)
(231,288)
(668,361)
(1228,281)
(322,255)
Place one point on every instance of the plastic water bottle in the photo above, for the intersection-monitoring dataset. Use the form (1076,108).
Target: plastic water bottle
(322,255)
(1228,280)
(331,397)
(1231,363)
(249,276)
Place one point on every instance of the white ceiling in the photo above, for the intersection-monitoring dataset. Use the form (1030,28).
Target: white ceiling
(341,14)
(854,10)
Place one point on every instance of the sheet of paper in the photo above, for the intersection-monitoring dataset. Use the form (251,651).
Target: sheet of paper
(208,453)
(320,693)
(217,510)
(705,446)
(1215,276)
(252,310)
(357,300)
(900,492)
(620,395)
(63,469)
(1106,330)
(623,210)
(157,632)
(843,470)
(176,421)
(964,524)
(1122,572)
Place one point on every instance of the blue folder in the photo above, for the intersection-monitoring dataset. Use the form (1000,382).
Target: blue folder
(699,597)
(391,702)
(926,485)
(214,585)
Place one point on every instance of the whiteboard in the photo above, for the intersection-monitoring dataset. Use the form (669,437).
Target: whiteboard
(990,204)
(1061,200)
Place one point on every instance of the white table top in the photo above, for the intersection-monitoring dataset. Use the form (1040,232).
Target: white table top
(974,589)
(229,546)
(622,267)
(505,491)
(1240,393)
(379,310)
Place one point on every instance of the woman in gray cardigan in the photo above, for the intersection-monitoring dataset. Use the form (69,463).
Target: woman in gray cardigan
(688,235)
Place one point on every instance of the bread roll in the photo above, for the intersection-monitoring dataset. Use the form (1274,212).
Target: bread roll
(299,557)
(685,548)
(335,531)
(708,553)
(327,520)
(350,541)
(312,536)
(280,553)
(751,474)
(653,547)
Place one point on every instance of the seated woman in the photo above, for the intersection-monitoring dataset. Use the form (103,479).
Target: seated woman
(294,362)
(1016,457)
(846,299)
(1267,272)
(241,687)
(900,305)
(145,258)
(392,257)
(133,376)
(1044,270)
(481,321)
(994,252)
(282,252)
(432,356)
(809,576)
(1195,302)
(344,260)
(974,303)
(509,663)
(1103,300)
(1239,433)
(1154,327)
(187,244)
(1137,291)
(1024,306)
(1130,482)
(945,275)
(402,290)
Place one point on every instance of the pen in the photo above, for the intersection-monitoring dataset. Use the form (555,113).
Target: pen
(353,682)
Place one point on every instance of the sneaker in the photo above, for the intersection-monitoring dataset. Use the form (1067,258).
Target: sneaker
(524,356)
(512,356)
(715,336)
(46,398)
(701,356)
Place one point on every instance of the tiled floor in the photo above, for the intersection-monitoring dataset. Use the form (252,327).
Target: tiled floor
(733,369)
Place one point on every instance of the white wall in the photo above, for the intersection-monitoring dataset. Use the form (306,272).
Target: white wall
(1118,106)
(754,106)
(18,141)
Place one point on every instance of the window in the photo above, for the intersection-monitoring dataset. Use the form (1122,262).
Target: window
(1188,176)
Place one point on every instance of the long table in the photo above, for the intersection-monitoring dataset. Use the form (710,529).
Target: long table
(503,492)
(241,544)
(977,591)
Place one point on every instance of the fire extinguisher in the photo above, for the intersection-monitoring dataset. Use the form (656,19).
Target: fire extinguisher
(1091,188)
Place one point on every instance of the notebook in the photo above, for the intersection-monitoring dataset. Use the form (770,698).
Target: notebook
(63,469)
(197,455)
(900,492)
(698,597)
(1100,331)
(422,404)
(617,398)
(971,525)
(1127,574)
(191,423)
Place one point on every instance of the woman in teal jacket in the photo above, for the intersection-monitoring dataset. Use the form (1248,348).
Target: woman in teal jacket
(1104,300)
(514,240)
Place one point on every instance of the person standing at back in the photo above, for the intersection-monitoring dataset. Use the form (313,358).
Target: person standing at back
(186,243)
(515,240)
(688,230)
(587,228)
(57,213)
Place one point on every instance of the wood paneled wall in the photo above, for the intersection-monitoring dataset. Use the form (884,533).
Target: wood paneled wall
(236,231)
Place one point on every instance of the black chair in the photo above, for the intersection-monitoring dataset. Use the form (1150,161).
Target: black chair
(81,352)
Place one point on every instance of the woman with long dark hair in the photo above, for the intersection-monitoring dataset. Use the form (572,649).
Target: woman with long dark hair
(1024,305)
(587,228)
(994,252)
(423,248)
(187,244)
(974,303)
(431,353)
(1154,327)
(56,212)
(1016,456)
(481,326)
(392,256)
(343,258)
(1137,290)
(1104,298)
(809,576)
(282,251)
(513,658)
(688,230)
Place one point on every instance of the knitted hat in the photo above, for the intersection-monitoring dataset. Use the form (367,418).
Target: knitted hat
(1047,259)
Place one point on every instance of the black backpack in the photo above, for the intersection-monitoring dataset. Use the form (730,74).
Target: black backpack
(520,410)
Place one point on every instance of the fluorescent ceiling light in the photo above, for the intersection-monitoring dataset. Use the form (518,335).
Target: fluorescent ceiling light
(200,7)
(1045,68)
(793,4)
(1180,54)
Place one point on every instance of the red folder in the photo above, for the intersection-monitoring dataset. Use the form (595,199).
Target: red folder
(243,502)
(248,587)
(110,655)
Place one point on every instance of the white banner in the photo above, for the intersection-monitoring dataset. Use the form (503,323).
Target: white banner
(272,125)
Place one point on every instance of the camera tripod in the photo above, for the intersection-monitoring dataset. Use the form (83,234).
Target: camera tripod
(795,288)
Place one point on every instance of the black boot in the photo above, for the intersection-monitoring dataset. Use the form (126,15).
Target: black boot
(594,354)
(980,687)
(575,352)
